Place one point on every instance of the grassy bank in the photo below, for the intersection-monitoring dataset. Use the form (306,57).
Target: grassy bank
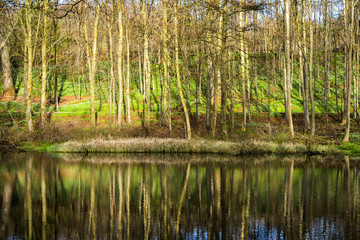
(154,145)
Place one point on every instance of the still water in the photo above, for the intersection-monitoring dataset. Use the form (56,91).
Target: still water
(178,197)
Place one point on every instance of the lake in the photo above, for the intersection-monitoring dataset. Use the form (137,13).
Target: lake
(157,196)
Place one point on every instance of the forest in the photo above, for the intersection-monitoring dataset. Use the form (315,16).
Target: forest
(211,68)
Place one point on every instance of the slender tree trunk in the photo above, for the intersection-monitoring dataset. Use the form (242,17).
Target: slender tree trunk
(311,81)
(242,69)
(267,69)
(178,78)
(349,15)
(127,90)
(166,87)
(112,71)
(120,62)
(336,86)
(147,77)
(255,63)
(303,68)
(209,89)
(326,43)
(198,85)
(232,74)
(224,80)
(29,60)
(356,71)
(44,66)
(56,93)
(93,67)
(287,57)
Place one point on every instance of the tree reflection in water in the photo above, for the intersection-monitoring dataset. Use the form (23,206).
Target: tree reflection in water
(178,197)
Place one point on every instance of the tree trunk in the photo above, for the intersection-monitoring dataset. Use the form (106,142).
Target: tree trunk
(303,68)
(224,84)
(166,87)
(209,89)
(349,15)
(311,81)
(93,67)
(8,90)
(242,69)
(29,60)
(120,63)
(112,71)
(127,90)
(44,67)
(147,77)
(56,97)
(199,84)
(287,57)
(177,63)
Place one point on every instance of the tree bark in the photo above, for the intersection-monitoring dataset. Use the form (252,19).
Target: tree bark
(166,87)
(44,67)
(112,71)
(349,15)
(93,67)
(29,60)
(178,78)
(120,63)
(242,69)
(127,87)
(8,90)
(311,81)
(287,57)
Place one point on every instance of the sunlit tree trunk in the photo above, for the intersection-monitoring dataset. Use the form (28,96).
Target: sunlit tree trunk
(166,87)
(56,92)
(147,77)
(311,81)
(287,61)
(218,73)
(356,45)
(112,64)
(199,83)
(29,60)
(127,87)
(303,68)
(120,62)
(44,66)
(242,68)
(178,78)
(268,92)
(326,57)
(349,15)
(93,67)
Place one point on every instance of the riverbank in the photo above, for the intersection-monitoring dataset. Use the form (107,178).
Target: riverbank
(155,145)
(65,134)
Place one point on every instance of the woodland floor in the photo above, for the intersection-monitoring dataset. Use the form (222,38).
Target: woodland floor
(64,126)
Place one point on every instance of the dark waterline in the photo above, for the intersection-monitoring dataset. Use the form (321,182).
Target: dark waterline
(178,197)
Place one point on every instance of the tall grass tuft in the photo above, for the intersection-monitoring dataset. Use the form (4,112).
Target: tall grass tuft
(155,145)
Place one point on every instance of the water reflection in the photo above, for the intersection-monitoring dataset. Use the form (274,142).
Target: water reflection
(177,197)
